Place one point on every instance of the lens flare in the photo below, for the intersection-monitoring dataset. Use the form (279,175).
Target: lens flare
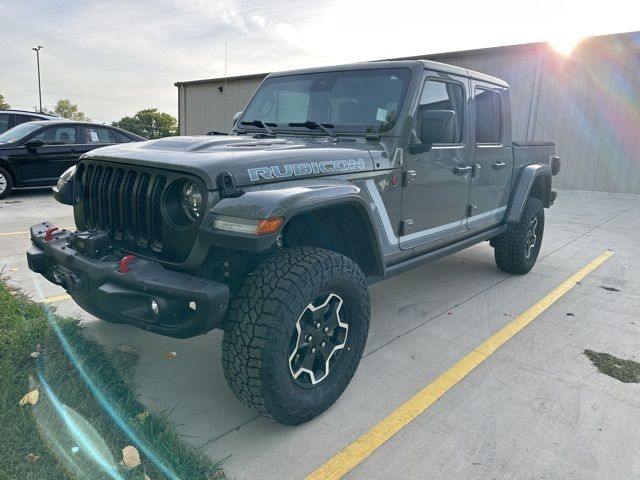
(110,409)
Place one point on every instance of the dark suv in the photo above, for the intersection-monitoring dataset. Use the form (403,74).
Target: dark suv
(35,154)
(12,118)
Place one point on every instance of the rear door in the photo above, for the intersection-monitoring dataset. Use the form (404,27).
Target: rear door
(95,136)
(492,160)
(435,194)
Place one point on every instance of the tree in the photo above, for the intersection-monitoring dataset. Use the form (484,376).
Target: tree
(69,110)
(149,123)
(3,104)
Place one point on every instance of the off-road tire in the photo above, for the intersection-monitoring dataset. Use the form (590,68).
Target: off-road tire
(9,183)
(262,319)
(510,248)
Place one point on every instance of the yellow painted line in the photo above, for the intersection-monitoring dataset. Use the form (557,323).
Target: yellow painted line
(7,234)
(352,455)
(56,298)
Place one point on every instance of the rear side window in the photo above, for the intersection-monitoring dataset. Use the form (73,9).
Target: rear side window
(122,138)
(4,122)
(488,116)
(99,135)
(26,118)
(441,112)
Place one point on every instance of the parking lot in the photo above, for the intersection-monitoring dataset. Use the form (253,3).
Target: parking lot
(535,408)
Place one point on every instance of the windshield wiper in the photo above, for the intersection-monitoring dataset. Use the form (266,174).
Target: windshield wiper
(312,125)
(261,124)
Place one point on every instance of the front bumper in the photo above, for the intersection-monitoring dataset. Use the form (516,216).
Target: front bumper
(186,305)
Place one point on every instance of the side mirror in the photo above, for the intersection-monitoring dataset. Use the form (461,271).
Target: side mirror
(236,117)
(34,143)
(416,148)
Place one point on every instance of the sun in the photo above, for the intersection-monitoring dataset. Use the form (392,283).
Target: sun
(565,43)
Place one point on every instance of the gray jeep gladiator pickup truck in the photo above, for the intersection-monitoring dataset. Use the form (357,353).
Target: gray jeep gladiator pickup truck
(332,178)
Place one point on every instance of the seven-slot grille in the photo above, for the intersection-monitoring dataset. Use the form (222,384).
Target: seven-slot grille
(124,202)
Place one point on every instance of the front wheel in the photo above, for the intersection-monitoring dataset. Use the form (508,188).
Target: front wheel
(6,183)
(517,249)
(296,332)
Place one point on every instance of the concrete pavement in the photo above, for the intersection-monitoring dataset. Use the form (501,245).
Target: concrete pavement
(537,408)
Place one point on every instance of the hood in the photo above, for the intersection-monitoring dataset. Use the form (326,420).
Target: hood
(251,161)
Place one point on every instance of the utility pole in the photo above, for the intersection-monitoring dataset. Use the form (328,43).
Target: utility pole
(37,50)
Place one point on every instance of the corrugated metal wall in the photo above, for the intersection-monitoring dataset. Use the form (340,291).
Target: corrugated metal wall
(587,103)
(203,108)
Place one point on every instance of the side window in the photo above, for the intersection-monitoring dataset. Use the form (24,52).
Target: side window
(99,135)
(23,119)
(60,135)
(122,138)
(4,122)
(488,116)
(441,112)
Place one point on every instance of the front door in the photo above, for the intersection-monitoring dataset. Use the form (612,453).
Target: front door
(434,198)
(492,160)
(43,165)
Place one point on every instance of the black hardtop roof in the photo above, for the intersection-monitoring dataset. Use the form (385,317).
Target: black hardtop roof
(425,64)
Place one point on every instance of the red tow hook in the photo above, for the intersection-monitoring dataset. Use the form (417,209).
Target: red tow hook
(124,263)
(48,235)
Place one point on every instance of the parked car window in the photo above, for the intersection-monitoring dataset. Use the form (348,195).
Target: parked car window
(20,119)
(60,135)
(99,135)
(18,133)
(122,138)
(488,116)
(4,122)
(441,112)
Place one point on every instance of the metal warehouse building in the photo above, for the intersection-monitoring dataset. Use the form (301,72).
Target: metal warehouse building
(588,103)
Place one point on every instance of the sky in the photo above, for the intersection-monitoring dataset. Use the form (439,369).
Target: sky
(116,57)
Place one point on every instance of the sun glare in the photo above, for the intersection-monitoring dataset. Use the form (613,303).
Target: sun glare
(564,44)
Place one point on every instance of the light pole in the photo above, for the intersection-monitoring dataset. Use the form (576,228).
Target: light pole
(37,50)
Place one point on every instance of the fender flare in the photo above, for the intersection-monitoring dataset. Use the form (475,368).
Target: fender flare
(289,200)
(522,188)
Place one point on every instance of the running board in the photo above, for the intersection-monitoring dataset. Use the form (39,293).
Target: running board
(441,252)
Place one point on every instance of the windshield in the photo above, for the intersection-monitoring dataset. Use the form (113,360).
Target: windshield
(358,101)
(18,133)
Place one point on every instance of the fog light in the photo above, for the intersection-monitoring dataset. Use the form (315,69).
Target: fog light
(154,307)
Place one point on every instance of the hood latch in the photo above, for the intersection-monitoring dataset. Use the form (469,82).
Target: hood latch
(227,186)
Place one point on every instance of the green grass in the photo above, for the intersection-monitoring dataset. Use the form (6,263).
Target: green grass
(87,411)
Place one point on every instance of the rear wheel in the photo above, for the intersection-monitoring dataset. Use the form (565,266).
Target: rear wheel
(517,249)
(296,332)
(6,183)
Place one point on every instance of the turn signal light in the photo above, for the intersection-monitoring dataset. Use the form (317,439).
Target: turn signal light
(270,225)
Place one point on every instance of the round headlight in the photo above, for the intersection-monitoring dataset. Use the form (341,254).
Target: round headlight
(192,200)
(66,176)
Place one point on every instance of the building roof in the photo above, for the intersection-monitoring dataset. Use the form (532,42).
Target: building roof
(431,57)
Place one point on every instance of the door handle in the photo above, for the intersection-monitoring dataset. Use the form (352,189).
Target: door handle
(461,170)
(498,165)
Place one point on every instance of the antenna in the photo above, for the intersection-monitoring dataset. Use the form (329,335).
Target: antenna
(225,85)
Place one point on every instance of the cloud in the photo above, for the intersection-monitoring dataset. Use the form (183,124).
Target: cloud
(114,58)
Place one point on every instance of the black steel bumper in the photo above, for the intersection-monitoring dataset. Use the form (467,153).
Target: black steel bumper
(186,305)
